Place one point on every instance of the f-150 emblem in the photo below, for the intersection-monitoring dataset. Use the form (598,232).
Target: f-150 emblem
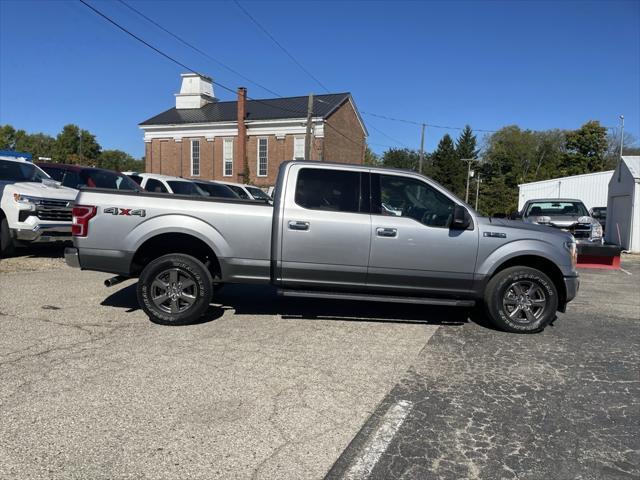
(127,212)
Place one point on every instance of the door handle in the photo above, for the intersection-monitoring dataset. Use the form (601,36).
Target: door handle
(298,225)
(387,232)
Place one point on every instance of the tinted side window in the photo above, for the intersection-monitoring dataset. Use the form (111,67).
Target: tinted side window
(239,191)
(136,178)
(55,173)
(155,186)
(332,190)
(408,197)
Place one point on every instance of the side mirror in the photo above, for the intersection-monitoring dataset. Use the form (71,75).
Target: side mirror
(461,218)
(516,216)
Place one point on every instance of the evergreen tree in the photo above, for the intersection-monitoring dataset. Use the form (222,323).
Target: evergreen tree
(466,144)
(74,145)
(447,169)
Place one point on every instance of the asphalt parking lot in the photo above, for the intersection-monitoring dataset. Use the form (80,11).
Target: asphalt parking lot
(267,388)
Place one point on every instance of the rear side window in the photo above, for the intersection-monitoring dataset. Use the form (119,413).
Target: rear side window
(331,190)
(136,178)
(153,185)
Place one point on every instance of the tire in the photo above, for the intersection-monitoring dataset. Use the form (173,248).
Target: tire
(162,293)
(521,300)
(7,246)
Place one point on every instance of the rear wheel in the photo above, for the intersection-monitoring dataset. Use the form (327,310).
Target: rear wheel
(175,289)
(7,246)
(521,300)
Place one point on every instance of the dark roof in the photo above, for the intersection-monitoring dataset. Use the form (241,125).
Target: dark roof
(268,109)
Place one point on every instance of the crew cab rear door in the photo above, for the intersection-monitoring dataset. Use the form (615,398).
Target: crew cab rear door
(326,227)
(413,250)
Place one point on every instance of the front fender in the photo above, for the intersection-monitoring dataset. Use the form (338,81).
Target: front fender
(172,223)
(530,247)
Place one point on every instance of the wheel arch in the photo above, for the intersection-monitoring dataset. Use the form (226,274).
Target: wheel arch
(546,266)
(175,242)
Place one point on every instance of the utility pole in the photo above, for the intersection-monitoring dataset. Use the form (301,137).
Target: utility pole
(421,150)
(468,160)
(477,191)
(621,145)
(307,138)
(621,134)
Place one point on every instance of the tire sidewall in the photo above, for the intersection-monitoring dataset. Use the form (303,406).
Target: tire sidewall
(193,267)
(7,246)
(504,279)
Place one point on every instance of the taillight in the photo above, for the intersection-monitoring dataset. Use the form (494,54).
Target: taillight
(81,214)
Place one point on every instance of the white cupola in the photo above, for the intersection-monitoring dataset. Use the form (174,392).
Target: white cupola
(195,92)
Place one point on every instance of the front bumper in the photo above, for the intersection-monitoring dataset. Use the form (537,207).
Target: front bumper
(71,257)
(572,285)
(43,232)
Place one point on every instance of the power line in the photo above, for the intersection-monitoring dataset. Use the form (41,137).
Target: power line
(413,122)
(388,136)
(193,47)
(177,62)
(280,45)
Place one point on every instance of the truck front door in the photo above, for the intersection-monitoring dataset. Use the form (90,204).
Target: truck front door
(325,229)
(413,250)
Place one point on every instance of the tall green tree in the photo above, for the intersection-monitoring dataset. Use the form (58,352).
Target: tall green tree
(466,144)
(586,149)
(446,167)
(119,160)
(7,137)
(75,145)
(401,158)
(370,157)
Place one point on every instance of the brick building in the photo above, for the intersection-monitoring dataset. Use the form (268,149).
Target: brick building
(210,139)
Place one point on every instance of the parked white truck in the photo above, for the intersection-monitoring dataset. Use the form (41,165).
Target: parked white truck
(33,207)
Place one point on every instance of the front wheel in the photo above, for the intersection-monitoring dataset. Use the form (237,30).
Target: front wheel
(175,289)
(7,246)
(521,300)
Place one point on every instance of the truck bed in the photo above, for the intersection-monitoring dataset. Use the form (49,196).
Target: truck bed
(239,231)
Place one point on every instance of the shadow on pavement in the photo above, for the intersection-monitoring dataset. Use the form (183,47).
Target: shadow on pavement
(263,300)
(40,251)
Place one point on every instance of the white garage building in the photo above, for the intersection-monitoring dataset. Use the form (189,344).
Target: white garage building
(591,188)
(623,205)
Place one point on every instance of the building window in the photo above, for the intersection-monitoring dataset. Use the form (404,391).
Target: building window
(298,148)
(227,157)
(263,157)
(195,158)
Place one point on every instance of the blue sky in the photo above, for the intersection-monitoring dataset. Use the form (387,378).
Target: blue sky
(535,64)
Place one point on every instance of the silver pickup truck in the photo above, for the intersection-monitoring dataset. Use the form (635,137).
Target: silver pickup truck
(334,231)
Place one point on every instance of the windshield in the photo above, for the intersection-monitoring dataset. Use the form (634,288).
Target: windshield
(216,190)
(257,193)
(186,188)
(556,209)
(239,191)
(20,172)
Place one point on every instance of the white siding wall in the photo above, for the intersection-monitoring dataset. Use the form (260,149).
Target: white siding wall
(590,188)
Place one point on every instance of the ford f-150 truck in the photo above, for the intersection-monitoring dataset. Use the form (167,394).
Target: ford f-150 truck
(334,231)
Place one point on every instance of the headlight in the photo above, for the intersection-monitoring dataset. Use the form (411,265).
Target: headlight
(26,199)
(573,250)
(596,230)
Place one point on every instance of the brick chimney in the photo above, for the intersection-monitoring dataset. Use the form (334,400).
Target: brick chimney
(243,170)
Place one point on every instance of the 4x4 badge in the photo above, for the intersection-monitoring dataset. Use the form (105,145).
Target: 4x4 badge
(125,211)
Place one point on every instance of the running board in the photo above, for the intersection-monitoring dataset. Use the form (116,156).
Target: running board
(376,298)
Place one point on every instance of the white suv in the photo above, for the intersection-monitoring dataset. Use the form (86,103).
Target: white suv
(33,207)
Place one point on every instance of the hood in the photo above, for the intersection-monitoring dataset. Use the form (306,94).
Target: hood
(42,190)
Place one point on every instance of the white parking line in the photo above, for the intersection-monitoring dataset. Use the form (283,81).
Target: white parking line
(379,440)
(626,271)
